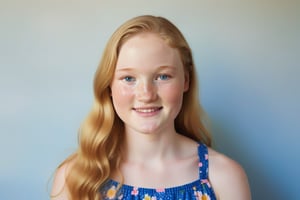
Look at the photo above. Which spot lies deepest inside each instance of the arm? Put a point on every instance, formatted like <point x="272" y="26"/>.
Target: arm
<point x="228" y="178"/>
<point x="59" y="188"/>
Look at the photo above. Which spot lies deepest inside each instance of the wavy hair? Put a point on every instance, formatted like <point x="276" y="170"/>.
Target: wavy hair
<point x="101" y="134"/>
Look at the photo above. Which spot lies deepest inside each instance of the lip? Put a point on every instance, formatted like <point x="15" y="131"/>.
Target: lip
<point x="147" y="111"/>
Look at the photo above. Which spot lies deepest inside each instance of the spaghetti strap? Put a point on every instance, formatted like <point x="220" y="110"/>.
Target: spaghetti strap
<point x="203" y="162"/>
<point x="203" y="170"/>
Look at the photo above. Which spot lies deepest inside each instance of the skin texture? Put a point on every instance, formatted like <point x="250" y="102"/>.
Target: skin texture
<point x="227" y="177"/>
<point x="148" y="84"/>
<point x="147" y="90"/>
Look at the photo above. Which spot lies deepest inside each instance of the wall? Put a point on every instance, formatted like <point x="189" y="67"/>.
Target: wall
<point x="247" y="55"/>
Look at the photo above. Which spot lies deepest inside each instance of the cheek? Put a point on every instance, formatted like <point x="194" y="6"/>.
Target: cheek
<point x="120" y="95"/>
<point x="173" y="95"/>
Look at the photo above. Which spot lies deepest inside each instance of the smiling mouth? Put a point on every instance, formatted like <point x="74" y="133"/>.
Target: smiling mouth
<point x="147" y="110"/>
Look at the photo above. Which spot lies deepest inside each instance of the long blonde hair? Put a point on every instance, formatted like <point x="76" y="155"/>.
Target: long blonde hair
<point x="101" y="134"/>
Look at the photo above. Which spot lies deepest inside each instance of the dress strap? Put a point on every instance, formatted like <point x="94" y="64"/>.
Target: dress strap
<point x="203" y="162"/>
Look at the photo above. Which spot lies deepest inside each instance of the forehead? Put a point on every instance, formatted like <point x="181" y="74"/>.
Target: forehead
<point x="147" y="50"/>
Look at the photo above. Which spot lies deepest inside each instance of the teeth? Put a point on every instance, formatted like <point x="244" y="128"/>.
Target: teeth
<point x="146" y="110"/>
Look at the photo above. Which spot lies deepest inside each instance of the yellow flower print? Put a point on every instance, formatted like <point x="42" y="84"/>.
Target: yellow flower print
<point x="147" y="197"/>
<point x="200" y="196"/>
<point x="111" y="193"/>
<point x="205" y="197"/>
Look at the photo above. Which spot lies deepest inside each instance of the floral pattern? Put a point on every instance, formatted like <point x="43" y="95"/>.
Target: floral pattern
<point x="197" y="190"/>
<point x="135" y="191"/>
<point x="111" y="193"/>
<point x="147" y="197"/>
<point x="200" y="196"/>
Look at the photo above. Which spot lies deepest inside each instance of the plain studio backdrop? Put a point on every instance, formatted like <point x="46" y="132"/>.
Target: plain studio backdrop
<point x="247" y="57"/>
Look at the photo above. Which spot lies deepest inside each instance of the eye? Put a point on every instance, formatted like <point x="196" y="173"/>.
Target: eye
<point x="129" y="79"/>
<point x="163" y="77"/>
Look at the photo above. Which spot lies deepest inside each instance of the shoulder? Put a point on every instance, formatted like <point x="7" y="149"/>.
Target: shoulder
<point x="227" y="177"/>
<point x="59" y="189"/>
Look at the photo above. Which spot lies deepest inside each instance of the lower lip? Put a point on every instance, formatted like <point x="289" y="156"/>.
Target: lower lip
<point x="148" y="114"/>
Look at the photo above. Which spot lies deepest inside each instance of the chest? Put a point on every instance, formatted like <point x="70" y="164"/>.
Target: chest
<point x="161" y="174"/>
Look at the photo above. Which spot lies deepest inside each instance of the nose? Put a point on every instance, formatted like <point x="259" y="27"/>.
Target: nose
<point x="146" y="91"/>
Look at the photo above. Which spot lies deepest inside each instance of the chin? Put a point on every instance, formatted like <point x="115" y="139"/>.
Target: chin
<point x="148" y="130"/>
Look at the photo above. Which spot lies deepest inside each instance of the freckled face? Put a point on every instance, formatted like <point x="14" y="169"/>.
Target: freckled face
<point x="148" y="84"/>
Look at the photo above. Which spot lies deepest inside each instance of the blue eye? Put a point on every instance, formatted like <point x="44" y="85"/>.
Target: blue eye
<point x="164" y="77"/>
<point x="128" y="79"/>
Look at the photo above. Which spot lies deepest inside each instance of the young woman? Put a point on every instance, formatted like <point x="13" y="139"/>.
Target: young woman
<point x="144" y="137"/>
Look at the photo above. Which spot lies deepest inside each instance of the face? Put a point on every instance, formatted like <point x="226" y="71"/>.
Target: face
<point x="148" y="84"/>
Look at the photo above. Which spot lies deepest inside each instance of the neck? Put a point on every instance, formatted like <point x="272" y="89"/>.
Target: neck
<point x="141" y="147"/>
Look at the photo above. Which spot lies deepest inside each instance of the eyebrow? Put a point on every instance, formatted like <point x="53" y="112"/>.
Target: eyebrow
<point x="159" y="68"/>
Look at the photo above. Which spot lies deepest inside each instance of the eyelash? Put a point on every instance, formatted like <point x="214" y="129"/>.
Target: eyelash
<point x="163" y="77"/>
<point x="128" y="79"/>
<point x="160" y="77"/>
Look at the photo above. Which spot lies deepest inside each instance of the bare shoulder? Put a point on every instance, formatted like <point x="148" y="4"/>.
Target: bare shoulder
<point x="227" y="177"/>
<point x="59" y="189"/>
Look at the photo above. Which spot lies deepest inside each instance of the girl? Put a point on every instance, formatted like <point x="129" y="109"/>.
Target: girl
<point x="144" y="137"/>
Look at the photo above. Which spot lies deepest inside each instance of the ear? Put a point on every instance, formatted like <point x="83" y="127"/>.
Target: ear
<point x="186" y="81"/>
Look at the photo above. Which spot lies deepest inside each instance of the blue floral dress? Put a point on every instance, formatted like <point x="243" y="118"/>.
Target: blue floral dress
<point x="197" y="190"/>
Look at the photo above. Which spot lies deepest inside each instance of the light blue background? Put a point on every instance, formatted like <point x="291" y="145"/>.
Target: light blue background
<point x="247" y="55"/>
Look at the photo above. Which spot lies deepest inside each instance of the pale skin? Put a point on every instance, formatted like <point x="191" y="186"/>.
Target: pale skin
<point x="147" y="91"/>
